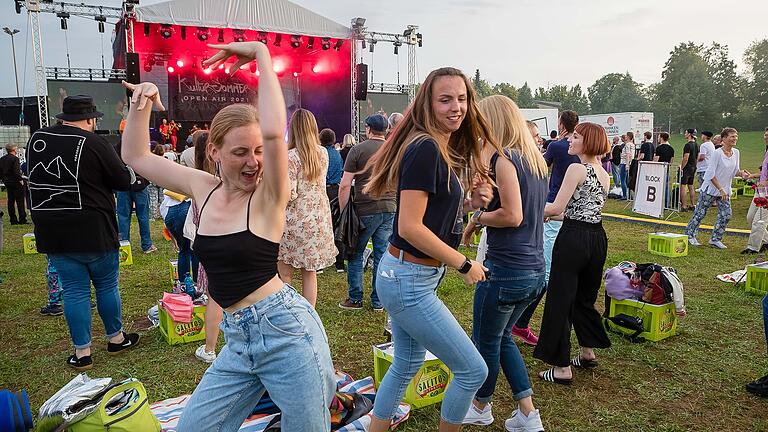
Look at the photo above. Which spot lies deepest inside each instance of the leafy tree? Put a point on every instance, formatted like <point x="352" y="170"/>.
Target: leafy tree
<point x="617" y="93"/>
<point x="525" y="97"/>
<point x="482" y="87"/>
<point x="727" y="82"/>
<point x="571" y="98"/>
<point x="756" y="58"/>
<point x="507" y="90"/>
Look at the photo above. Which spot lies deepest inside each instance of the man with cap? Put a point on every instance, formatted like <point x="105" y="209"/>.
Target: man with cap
<point x="688" y="169"/>
<point x="72" y="173"/>
<point x="377" y="214"/>
<point x="706" y="150"/>
<point x="10" y="174"/>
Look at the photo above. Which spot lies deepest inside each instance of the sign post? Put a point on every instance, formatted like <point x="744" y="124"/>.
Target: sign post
<point x="651" y="188"/>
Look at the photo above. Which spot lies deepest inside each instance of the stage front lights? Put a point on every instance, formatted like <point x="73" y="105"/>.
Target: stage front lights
<point x="325" y="44"/>
<point x="183" y="33"/>
<point x="146" y="29"/>
<point x="207" y="71"/>
<point x="397" y="44"/>
<point x="278" y="39"/>
<point x="203" y="34"/>
<point x="171" y="69"/>
<point x="147" y="67"/>
<point x="311" y="42"/>
<point x="220" y="39"/>
<point x="262" y="37"/>
<point x="339" y="43"/>
<point x="166" y="31"/>
<point x="372" y="47"/>
<point x="101" y="19"/>
<point x="64" y="16"/>
<point x="295" y="41"/>
<point x="180" y="63"/>
<point x="238" y="35"/>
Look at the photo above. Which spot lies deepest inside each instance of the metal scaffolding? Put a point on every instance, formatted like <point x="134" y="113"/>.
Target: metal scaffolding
<point x="33" y="7"/>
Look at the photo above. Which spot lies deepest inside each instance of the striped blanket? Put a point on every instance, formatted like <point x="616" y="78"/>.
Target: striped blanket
<point x="169" y="410"/>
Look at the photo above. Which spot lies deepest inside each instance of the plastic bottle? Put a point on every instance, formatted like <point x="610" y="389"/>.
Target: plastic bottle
<point x="189" y="286"/>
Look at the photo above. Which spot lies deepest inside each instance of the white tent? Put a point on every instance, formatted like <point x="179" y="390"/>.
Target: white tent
<point x="277" y="16"/>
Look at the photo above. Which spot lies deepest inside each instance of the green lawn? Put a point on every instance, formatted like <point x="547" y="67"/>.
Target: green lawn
<point x="691" y="382"/>
<point x="750" y="145"/>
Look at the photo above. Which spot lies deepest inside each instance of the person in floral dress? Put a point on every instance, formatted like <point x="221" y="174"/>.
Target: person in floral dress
<point x="307" y="242"/>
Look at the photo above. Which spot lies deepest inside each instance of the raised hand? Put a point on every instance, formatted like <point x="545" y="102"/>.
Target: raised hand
<point x="244" y="51"/>
<point x="144" y="92"/>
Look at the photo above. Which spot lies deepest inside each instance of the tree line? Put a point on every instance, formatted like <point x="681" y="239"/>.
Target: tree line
<point x="700" y="87"/>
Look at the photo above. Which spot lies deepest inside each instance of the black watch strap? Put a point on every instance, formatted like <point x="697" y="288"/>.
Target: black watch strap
<point x="466" y="267"/>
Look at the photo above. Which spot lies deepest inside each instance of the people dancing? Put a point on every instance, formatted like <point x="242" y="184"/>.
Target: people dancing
<point x="275" y="340"/>
<point x="578" y="258"/>
<point x="427" y="161"/>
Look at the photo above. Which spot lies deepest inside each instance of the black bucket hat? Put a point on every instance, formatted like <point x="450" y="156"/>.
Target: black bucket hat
<point x="79" y="107"/>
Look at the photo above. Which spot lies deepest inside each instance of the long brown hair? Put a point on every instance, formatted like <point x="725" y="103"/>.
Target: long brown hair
<point x="463" y="153"/>
<point x="304" y="137"/>
<point x="202" y="161"/>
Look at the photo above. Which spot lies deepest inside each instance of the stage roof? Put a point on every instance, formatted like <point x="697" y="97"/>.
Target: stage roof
<point x="278" y="16"/>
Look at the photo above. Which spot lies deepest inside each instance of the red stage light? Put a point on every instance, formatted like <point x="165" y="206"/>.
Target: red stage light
<point x="258" y="73"/>
<point x="295" y="74"/>
<point x="171" y="69"/>
<point x="180" y="63"/>
<point x="244" y="67"/>
<point x="221" y="66"/>
<point x="317" y="68"/>
<point x="278" y="66"/>
<point x="226" y="71"/>
<point x="207" y="71"/>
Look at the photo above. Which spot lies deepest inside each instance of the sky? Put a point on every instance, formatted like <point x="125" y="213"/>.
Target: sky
<point x="543" y="42"/>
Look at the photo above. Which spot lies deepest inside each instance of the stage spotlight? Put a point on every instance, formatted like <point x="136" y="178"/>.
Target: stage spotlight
<point x="183" y="33"/>
<point x="17" y="5"/>
<point x="221" y="66"/>
<point x="238" y="35"/>
<point x="363" y="42"/>
<point x="262" y="37"/>
<point x="325" y="44"/>
<point x="63" y="16"/>
<point x="358" y="22"/>
<point x="180" y="63"/>
<point x="146" y="29"/>
<point x="295" y="74"/>
<point x="171" y="69"/>
<point x="244" y="67"/>
<point x="101" y="19"/>
<point x="419" y="39"/>
<point x="207" y="71"/>
<point x="311" y="42"/>
<point x="151" y="60"/>
<point x="278" y="39"/>
<point x="295" y="41"/>
<point x="397" y="45"/>
<point x="317" y="69"/>
<point x="220" y="39"/>
<point x="339" y="43"/>
<point x="166" y="31"/>
<point x="258" y="73"/>
<point x="278" y="66"/>
<point x="147" y="67"/>
<point x="226" y="71"/>
<point x="372" y="46"/>
<point x="203" y="34"/>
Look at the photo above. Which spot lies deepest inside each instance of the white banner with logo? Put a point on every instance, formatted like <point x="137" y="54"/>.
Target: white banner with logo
<point x="650" y="188"/>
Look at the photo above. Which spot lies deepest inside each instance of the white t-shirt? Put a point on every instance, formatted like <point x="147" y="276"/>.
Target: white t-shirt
<point x="723" y="168"/>
<point x="188" y="157"/>
<point x="170" y="156"/>
<point x="707" y="149"/>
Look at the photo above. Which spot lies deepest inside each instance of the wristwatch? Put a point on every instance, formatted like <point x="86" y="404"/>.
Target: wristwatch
<point x="466" y="267"/>
<point x="476" y="216"/>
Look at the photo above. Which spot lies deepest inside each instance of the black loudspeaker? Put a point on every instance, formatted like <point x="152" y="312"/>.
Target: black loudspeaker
<point x="132" y="74"/>
<point x="361" y="76"/>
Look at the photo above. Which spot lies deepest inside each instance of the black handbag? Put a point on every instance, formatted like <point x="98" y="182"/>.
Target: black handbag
<point x="350" y="226"/>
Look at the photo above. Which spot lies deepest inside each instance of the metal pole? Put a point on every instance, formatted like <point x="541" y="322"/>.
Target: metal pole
<point x="13" y="48"/>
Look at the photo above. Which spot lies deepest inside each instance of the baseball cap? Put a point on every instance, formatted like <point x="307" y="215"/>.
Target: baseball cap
<point x="691" y="131"/>
<point x="707" y="134"/>
<point x="377" y="123"/>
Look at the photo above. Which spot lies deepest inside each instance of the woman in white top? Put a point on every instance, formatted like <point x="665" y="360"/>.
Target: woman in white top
<point x="627" y="155"/>
<point x="723" y="166"/>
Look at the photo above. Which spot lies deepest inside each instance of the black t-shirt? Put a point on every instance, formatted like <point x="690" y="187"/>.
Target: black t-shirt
<point x="72" y="174"/>
<point x="616" y="154"/>
<point x="647" y="149"/>
<point x="665" y="152"/>
<point x="693" y="155"/>
<point x="422" y="168"/>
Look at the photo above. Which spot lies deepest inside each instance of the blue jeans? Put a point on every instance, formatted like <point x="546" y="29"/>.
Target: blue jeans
<point x="624" y="173"/>
<point x="378" y="227"/>
<point x="499" y="302"/>
<point x="420" y="322"/>
<point x="765" y="318"/>
<point x="125" y="201"/>
<point x="174" y="221"/>
<point x="616" y="172"/>
<point x="76" y="272"/>
<point x="277" y="345"/>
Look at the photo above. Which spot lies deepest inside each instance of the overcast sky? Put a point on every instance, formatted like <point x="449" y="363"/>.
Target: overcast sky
<point x="544" y="42"/>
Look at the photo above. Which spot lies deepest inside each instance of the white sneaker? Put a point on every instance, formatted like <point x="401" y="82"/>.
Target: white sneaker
<point x="205" y="356"/>
<point x="718" y="244"/>
<point x="693" y="242"/>
<point x="520" y="423"/>
<point x="477" y="417"/>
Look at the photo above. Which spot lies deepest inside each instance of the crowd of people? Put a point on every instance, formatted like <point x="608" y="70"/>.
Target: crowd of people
<point x="247" y="211"/>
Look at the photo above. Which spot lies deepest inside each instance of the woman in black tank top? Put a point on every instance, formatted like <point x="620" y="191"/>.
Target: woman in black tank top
<point x="275" y="340"/>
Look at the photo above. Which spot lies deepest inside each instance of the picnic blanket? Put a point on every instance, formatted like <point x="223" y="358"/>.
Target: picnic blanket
<point x="168" y="411"/>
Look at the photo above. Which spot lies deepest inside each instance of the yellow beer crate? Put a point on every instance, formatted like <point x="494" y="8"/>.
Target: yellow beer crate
<point x="757" y="279"/>
<point x="428" y="385"/>
<point x="30" y="244"/>
<point x="668" y="244"/>
<point x="659" y="321"/>
<point x="126" y="256"/>
<point x="176" y="332"/>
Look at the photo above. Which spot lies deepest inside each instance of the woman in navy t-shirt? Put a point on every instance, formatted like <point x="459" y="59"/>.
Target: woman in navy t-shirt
<point x="424" y="159"/>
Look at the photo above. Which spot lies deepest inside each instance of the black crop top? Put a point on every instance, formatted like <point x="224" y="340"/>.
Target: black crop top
<point x="237" y="263"/>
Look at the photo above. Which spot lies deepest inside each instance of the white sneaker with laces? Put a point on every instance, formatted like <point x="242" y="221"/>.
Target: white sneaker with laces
<point x="520" y="423"/>
<point x="718" y="244"/>
<point x="205" y="356"/>
<point x="476" y="417"/>
<point x="693" y="242"/>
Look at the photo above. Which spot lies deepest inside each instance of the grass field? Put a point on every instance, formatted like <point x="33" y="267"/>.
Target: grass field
<point x="691" y="382"/>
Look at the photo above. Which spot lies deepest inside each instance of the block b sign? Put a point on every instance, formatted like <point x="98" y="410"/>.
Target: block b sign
<point x="651" y="188"/>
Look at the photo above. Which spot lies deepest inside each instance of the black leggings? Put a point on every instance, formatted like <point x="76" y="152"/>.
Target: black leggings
<point x="578" y="258"/>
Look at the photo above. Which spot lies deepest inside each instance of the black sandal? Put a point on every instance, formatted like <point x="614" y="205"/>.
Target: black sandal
<point x="549" y="376"/>
<point x="583" y="363"/>
<point x="80" y="364"/>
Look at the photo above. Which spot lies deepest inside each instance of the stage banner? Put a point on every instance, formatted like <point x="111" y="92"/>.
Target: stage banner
<point x="198" y="98"/>
<point x="650" y="190"/>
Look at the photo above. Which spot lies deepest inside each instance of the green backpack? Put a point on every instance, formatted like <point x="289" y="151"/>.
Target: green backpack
<point x="133" y="414"/>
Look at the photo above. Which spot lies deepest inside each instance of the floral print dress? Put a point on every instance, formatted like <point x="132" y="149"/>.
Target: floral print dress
<point x="307" y="242"/>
